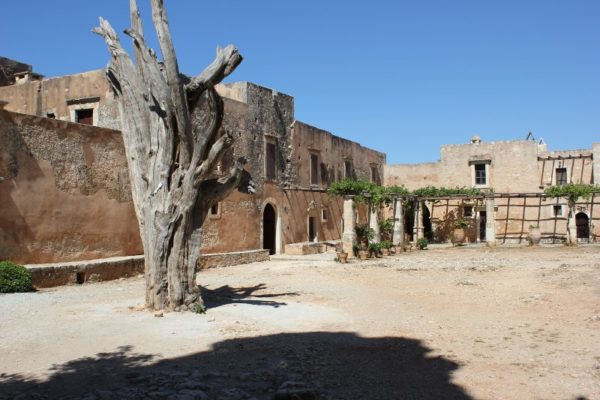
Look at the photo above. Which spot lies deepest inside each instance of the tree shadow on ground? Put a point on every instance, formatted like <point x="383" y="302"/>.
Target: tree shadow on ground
<point x="315" y="365"/>
<point x="226" y="295"/>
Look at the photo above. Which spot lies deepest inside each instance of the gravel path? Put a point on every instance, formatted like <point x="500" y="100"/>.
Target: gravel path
<point x="463" y="323"/>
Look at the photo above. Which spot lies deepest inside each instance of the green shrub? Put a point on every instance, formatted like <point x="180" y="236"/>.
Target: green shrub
<point x="14" y="278"/>
<point x="386" y="244"/>
<point x="422" y="244"/>
<point x="375" y="247"/>
<point x="199" y="308"/>
<point x="460" y="224"/>
<point x="363" y="232"/>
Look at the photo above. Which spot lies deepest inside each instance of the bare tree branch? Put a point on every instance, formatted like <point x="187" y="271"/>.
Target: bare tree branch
<point x="215" y="190"/>
<point x="178" y="96"/>
<point x="226" y="61"/>
<point x="215" y="153"/>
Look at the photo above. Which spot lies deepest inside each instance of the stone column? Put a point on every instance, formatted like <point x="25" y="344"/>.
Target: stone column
<point x="349" y="235"/>
<point x="571" y="225"/>
<point x="418" y="225"/>
<point x="374" y="223"/>
<point x="490" y="222"/>
<point x="398" y="235"/>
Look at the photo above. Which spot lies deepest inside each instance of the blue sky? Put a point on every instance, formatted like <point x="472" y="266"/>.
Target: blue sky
<point x="400" y="77"/>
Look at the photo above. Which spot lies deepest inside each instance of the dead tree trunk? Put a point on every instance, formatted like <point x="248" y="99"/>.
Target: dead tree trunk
<point x="172" y="141"/>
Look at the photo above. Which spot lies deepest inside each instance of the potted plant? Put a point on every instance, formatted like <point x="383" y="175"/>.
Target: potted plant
<point x="375" y="249"/>
<point x="386" y="228"/>
<point x="363" y="235"/>
<point x="422" y="243"/>
<point x="534" y="235"/>
<point x="386" y="245"/>
<point x="341" y="254"/>
<point x="459" y="235"/>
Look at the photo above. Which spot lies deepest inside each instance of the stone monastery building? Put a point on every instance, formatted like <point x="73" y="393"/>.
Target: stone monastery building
<point x="65" y="195"/>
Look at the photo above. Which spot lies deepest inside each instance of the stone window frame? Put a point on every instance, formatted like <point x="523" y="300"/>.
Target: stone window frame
<point x="349" y="160"/>
<point x="375" y="166"/>
<point x="92" y="103"/>
<point x="317" y="154"/>
<point x="270" y="139"/>
<point x="487" y="164"/>
<point x="471" y="208"/>
<point x="556" y="207"/>
<point x="324" y="215"/>
<point x="216" y="215"/>
<point x="555" y="179"/>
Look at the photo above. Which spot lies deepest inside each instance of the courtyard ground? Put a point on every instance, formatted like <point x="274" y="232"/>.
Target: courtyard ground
<point x="445" y="323"/>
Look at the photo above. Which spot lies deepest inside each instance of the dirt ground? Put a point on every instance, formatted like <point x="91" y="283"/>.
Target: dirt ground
<point x="446" y="323"/>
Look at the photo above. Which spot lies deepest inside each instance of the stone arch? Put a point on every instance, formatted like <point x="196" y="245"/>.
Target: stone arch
<point x="582" y="222"/>
<point x="270" y="232"/>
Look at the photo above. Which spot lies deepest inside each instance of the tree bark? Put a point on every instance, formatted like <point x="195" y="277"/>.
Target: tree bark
<point x="173" y="141"/>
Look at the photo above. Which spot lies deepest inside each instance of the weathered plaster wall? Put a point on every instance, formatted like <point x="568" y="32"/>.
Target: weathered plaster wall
<point x="513" y="165"/>
<point x="65" y="192"/>
<point x="413" y="176"/>
<point x="579" y="165"/>
<point x="61" y="95"/>
<point x="332" y="151"/>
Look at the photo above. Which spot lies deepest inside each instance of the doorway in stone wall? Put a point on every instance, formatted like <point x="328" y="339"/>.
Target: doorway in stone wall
<point x="269" y="228"/>
<point x="582" y="221"/>
<point x="312" y="229"/>
<point x="482" y="223"/>
<point x="427" y="227"/>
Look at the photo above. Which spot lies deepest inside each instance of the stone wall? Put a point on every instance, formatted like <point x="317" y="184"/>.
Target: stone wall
<point x="413" y="176"/>
<point x="61" y="96"/>
<point x="331" y="152"/>
<point x="216" y="260"/>
<point x="64" y="192"/>
<point x="579" y="165"/>
<point x="84" y="209"/>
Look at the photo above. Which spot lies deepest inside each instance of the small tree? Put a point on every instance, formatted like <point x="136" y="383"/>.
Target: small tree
<point x="572" y="192"/>
<point x="171" y="131"/>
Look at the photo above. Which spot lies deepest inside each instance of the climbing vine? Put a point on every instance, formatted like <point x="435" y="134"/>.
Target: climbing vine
<point x="380" y="195"/>
<point x="572" y="191"/>
<point x="432" y="191"/>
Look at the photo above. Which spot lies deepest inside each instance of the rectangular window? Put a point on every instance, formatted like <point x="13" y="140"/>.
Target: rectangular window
<point x="314" y="169"/>
<point x="375" y="174"/>
<point x="348" y="170"/>
<point x="561" y="176"/>
<point x="557" y="209"/>
<point x="214" y="210"/>
<point x="324" y="215"/>
<point x="480" y="174"/>
<point x="85" y="116"/>
<point x="271" y="161"/>
<point x="468" y="211"/>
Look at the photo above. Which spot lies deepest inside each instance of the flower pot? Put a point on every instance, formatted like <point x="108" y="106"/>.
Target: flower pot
<point x="385" y="252"/>
<point x="458" y="236"/>
<point x="535" y="235"/>
<point x="363" y="254"/>
<point x="343" y="257"/>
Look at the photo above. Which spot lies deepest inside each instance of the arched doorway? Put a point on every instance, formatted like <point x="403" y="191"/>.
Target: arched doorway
<point x="582" y="221"/>
<point x="269" y="228"/>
